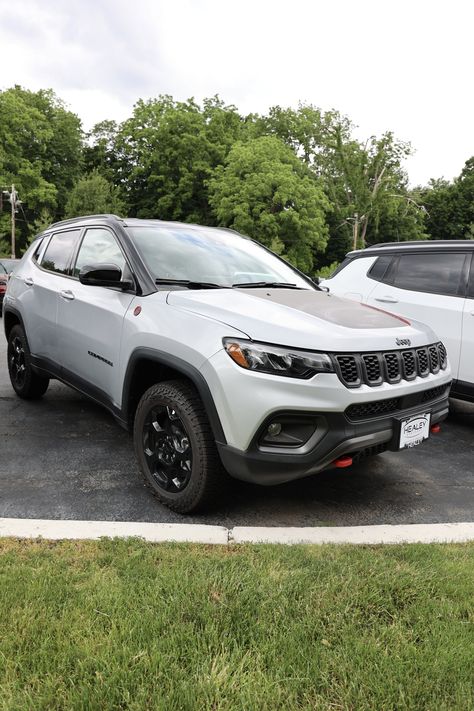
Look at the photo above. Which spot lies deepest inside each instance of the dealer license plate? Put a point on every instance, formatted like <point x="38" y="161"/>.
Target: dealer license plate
<point x="414" y="430"/>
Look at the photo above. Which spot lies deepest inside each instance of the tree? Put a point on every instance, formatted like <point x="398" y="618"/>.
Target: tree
<point x="364" y="182"/>
<point x="100" y="151"/>
<point x="93" y="194"/>
<point x="168" y="150"/>
<point x="266" y="192"/>
<point x="40" y="152"/>
<point x="450" y="206"/>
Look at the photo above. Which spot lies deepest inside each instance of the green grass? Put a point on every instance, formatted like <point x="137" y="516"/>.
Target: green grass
<point x="130" y="625"/>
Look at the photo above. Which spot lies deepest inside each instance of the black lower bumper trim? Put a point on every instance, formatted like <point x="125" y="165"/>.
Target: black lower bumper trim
<point x="341" y="438"/>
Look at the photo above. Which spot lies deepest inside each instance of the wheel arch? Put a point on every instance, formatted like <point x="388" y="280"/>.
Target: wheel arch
<point x="11" y="317"/>
<point x="147" y="366"/>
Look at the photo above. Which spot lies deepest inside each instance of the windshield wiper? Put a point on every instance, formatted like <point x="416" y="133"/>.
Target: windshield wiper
<point x="190" y="284"/>
<point x="266" y="285"/>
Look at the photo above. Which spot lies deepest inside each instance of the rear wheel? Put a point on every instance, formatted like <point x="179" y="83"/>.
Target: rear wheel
<point x="26" y="383"/>
<point x="175" y="447"/>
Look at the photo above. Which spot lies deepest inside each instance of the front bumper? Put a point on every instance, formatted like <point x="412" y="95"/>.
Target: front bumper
<point x="339" y="437"/>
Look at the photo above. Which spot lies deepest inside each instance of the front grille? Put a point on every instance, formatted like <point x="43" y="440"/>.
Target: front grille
<point x="391" y="406"/>
<point x="389" y="366"/>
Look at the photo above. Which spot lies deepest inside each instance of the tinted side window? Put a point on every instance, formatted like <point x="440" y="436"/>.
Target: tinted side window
<point x="470" y="290"/>
<point x="59" y="251"/>
<point x="435" y="273"/>
<point x="99" y="246"/>
<point x="380" y="267"/>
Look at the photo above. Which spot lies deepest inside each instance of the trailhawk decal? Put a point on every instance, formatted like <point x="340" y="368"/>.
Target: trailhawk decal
<point x="104" y="360"/>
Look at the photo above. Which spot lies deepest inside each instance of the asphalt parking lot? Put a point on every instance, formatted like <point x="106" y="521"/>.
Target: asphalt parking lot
<point x="63" y="457"/>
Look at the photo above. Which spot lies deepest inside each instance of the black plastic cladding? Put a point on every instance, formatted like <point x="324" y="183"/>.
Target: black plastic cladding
<point x="389" y="366"/>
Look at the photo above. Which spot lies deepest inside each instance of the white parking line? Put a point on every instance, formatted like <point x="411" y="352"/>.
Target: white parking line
<point x="201" y="533"/>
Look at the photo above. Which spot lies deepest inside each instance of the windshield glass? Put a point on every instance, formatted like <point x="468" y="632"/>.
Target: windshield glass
<point x="216" y="256"/>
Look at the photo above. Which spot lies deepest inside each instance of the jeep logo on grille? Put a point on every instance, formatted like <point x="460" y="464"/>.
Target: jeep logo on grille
<point x="403" y="342"/>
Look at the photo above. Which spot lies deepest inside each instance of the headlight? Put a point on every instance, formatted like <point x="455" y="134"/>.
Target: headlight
<point x="265" y="358"/>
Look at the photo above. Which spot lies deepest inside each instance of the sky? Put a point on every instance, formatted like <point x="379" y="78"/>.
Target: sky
<point x="400" y="66"/>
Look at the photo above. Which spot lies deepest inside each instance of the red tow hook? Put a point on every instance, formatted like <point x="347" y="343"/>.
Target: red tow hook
<point x="435" y="429"/>
<point x="342" y="462"/>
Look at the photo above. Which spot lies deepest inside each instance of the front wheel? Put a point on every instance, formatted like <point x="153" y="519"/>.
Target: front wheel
<point x="175" y="447"/>
<point x="26" y="383"/>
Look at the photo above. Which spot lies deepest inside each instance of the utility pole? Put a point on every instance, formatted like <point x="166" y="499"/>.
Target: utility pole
<point x="15" y="202"/>
<point x="355" y="230"/>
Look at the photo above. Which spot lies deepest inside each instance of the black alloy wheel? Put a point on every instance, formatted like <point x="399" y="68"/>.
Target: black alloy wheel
<point x="27" y="383"/>
<point x="167" y="449"/>
<point x="16" y="363"/>
<point x="175" y="447"/>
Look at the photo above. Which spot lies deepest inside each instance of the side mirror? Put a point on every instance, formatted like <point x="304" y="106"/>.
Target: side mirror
<point x="103" y="275"/>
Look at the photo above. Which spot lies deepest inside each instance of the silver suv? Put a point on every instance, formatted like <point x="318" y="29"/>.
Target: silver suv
<point x="219" y="354"/>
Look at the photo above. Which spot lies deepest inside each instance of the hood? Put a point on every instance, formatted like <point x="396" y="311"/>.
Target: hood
<point x="308" y="319"/>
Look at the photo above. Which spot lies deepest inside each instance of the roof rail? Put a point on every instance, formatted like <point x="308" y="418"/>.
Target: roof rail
<point x="419" y="241"/>
<point x="71" y="220"/>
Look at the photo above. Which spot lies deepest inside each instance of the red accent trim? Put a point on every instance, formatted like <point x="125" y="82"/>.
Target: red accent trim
<point x="435" y="429"/>
<point x="389" y="313"/>
<point x="342" y="462"/>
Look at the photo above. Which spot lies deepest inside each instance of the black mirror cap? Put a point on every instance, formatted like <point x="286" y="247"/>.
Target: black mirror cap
<point x="103" y="275"/>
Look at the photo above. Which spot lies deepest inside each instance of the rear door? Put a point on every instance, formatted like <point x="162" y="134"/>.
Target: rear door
<point x="90" y="319"/>
<point x="43" y="278"/>
<point x="466" y="365"/>
<point x="428" y="287"/>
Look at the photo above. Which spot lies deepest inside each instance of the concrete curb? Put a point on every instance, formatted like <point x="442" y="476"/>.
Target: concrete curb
<point x="155" y="532"/>
<point x="220" y="535"/>
<point x="362" y="535"/>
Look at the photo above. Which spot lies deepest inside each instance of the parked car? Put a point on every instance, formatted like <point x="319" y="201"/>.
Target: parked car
<point x="7" y="266"/>
<point x="217" y="353"/>
<point x="429" y="281"/>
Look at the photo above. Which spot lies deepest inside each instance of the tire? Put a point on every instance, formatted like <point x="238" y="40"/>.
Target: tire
<point x="27" y="384"/>
<point x="175" y="447"/>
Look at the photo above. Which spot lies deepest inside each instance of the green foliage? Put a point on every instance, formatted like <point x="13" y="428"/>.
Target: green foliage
<point x="40" y="152"/>
<point x="168" y="150"/>
<point x="450" y="206"/>
<point x="266" y="192"/>
<point x="295" y="179"/>
<point x="91" y="195"/>
<point x="327" y="271"/>
<point x="365" y="182"/>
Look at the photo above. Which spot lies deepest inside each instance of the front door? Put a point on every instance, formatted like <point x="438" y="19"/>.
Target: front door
<point x="90" y="320"/>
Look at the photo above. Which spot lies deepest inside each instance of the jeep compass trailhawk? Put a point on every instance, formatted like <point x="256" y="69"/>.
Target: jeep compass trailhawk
<point x="219" y="354"/>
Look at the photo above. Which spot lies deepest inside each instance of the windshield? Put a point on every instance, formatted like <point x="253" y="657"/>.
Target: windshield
<point x="213" y="256"/>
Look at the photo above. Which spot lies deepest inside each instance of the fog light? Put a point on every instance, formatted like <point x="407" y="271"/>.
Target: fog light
<point x="274" y="429"/>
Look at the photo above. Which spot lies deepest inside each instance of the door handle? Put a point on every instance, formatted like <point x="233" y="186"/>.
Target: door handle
<point x="68" y="295"/>
<point x="387" y="300"/>
<point x="28" y="281"/>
